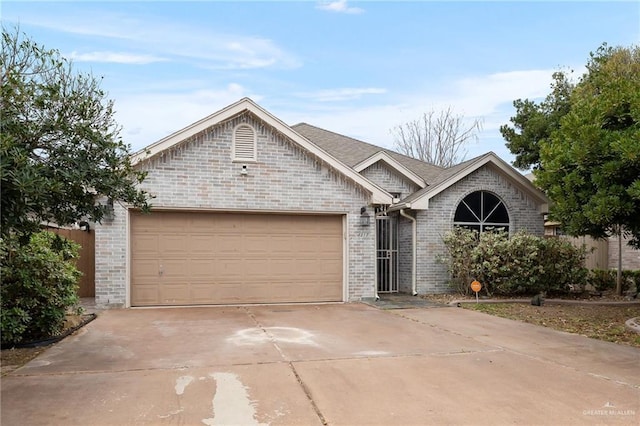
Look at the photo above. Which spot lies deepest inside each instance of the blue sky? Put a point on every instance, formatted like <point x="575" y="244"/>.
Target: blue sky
<point x="358" y="68"/>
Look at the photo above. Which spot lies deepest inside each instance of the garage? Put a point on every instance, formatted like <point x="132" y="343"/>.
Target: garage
<point x="202" y="258"/>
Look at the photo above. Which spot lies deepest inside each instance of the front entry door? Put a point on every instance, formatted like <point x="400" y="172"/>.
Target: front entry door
<point x="387" y="254"/>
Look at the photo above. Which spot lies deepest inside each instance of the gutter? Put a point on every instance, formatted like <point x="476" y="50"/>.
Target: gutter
<point x="399" y="206"/>
<point x="414" y="291"/>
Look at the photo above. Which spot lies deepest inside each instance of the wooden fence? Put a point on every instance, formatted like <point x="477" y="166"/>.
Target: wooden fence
<point x="597" y="251"/>
<point x="86" y="262"/>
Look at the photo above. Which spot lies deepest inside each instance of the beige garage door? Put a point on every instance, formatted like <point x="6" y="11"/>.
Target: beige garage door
<point x="180" y="258"/>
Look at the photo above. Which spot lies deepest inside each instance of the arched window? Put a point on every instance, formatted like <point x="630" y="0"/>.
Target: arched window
<point x="482" y="211"/>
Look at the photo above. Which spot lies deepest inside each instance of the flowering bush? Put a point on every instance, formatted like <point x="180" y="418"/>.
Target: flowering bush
<point x="522" y="264"/>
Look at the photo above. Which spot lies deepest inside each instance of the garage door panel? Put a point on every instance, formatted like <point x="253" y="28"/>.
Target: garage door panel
<point x="282" y="246"/>
<point x="173" y="244"/>
<point x="257" y="245"/>
<point x="171" y="269"/>
<point x="145" y="246"/>
<point x="329" y="245"/>
<point x="203" y="293"/>
<point x="255" y="269"/>
<point x="145" y="294"/>
<point x="175" y="294"/>
<point x="229" y="269"/>
<point x="202" y="269"/>
<point x="201" y="245"/>
<point x="233" y="258"/>
<point x="145" y="269"/>
<point x="227" y="244"/>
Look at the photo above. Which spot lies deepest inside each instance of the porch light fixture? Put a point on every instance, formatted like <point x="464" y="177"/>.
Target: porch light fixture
<point x="109" y="213"/>
<point x="364" y="217"/>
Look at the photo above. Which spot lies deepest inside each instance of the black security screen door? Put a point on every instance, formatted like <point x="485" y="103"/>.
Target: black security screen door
<point x="387" y="254"/>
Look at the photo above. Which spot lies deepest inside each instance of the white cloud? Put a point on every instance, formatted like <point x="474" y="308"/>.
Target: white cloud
<point x="334" y="95"/>
<point x="489" y="91"/>
<point x="162" y="38"/>
<point x="339" y="6"/>
<point x="488" y="97"/>
<point x="148" y="117"/>
<point x="115" y="57"/>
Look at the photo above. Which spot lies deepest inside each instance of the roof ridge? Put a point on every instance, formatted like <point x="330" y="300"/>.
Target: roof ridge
<point x="339" y="134"/>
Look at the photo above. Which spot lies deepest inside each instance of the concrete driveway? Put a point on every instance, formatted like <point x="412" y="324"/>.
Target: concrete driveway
<point x="337" y="364"/>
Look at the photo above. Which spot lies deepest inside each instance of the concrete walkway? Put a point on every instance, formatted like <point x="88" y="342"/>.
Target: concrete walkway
<point x="337" y="364"/>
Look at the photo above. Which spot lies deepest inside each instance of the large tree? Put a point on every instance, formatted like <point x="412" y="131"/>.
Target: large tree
<point x="534" y="122"/>
<point x="438" y="138"/>
<point x="591" y="162"/>
<point x="60" y="148"/>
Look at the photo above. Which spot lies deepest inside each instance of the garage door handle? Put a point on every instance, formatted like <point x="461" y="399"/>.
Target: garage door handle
<point x="161" y="271"/>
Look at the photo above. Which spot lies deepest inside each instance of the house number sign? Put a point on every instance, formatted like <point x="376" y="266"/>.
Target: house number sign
<point x="476" y="287"/>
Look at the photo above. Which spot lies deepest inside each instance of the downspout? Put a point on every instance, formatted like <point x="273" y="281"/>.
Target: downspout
<point x="414" y="250"/>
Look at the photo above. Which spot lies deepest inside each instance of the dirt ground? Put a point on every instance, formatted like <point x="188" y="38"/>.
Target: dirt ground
<point x="591" y="318"/>
<point x="595" y="321"/>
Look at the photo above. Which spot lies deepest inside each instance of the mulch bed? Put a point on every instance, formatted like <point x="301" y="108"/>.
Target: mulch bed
<point x="13" y="356"/>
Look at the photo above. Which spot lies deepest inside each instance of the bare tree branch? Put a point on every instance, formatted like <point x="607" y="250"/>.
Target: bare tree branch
<point x="438" y="138"/>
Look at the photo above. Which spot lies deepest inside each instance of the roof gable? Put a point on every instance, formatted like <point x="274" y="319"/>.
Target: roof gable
<point x="394" y="164"/>
<point x="379" y="195"/>
<point x="420" y="199"/>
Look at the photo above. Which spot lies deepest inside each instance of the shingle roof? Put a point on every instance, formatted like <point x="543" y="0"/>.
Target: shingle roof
<point x="353" y="151"/>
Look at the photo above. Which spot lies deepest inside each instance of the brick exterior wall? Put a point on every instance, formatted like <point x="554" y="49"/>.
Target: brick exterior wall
<point x="433" y="224"/>
<point x="405" y="253"/>
<point x="199" y="174"/>
<point x="387" y="178"/>
<point x="630" y="256"/>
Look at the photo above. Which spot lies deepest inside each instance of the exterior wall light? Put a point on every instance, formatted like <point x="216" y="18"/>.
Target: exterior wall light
<point x="109" y="213"/>
<point x="365" y="219"/>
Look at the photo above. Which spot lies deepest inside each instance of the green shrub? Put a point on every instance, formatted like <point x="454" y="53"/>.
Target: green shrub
<point x="634" y="278"/>
<point x="462" y="267"/>
<point x="606" y="279"/>
<point x="38" y="287"/>
<point x="561" y="266"/>
<point x="522" y="264"/>
<point x="602" y="279"/>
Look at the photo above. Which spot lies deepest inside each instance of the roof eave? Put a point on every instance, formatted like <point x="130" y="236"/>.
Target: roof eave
<point x="422" y="202"/>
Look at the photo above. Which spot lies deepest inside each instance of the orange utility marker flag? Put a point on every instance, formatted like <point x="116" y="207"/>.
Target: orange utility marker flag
<point x="476" y="286"/>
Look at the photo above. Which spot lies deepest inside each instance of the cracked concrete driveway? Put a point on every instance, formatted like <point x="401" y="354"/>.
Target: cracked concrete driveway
<point x="337" y="364"/>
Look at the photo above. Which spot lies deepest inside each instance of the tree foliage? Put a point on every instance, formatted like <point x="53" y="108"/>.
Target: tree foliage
<point x="59" y="143"/>
<point x="438" y="138"/>
<point x="591" y="162"/>
<point x="534" y="122"/>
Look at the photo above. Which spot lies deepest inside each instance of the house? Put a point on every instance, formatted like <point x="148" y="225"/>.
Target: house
<point x="250" y="210"/>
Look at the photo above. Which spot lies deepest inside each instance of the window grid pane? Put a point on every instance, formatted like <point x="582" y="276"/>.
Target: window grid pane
<point x="482" y="211"/>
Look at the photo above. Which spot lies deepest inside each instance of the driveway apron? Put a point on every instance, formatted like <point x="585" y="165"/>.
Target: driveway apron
<point x="339" y="364"/>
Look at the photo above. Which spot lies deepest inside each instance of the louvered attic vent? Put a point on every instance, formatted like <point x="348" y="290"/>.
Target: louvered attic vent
<point x="244" y="143"/>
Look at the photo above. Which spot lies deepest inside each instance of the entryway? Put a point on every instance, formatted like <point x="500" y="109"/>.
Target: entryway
<point x="387" y="253"/>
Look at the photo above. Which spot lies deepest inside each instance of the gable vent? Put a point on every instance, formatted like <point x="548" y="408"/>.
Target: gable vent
<point x="244" y="143"/>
